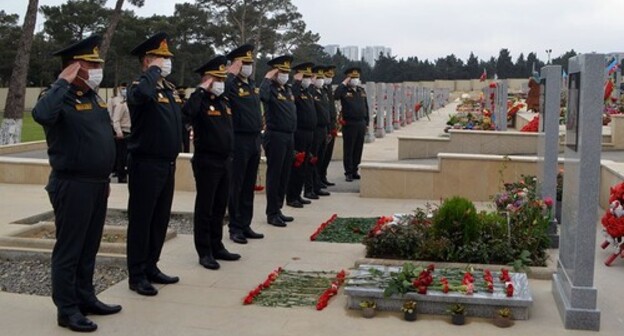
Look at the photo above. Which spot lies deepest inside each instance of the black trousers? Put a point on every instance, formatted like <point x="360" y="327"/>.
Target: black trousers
<point x="150" y="186"/>
<point x="303" y="143"/>
<point x="279" y="147"/>
<point x="353" y="134"/>
<point x="245" y="163"/>
<point x="80" y="210"/>
<point x="121" y="158"/>
<point x="313" y="179"/>
<point x="326" y="159"/>
<point x="186" y="139"/>
<point x="212" y="182"/>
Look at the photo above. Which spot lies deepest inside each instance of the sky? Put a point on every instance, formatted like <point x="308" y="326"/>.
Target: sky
<point x="430" y="29"/>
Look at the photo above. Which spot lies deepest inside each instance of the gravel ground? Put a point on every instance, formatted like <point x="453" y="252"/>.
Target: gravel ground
<point x="33" y="276"/>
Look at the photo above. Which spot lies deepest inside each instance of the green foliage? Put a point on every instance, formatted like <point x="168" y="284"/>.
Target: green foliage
<point x="457" y="309"/>
<point x="9" y="36"/>
<point x="368" y="304"/>
<point x="457" y="220"/>
<point x="347" y="230"/>
<point x="401" y="283"/>
<point x="523" y="262"/>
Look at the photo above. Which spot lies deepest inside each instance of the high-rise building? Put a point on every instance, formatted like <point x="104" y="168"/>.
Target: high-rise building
<point x="331" y="49"/>
<point x="371" y="54"/>
<point x="351" y="52"/>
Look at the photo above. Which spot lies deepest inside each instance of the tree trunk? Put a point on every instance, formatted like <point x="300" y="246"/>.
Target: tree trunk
<point x="112" y="25"/>
<point x="11" y="129"/>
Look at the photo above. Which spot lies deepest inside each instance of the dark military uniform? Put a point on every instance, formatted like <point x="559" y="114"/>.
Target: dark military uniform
<point x="304" y="136"/>
<point x="333" y="128"/>
<point x="81" y="151"/>
<point x="247" y="120"/>
<point x="186" y="128"/>
<point x="314" y="182"/>
<point x="211" y="118"/>
<point x="154" y="143"/>
<point x="355" y="116"/>
<point x="281" y="123"/>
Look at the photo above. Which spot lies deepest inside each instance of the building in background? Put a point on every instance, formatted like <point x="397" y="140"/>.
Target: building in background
<point x="331" y="49"/>
<point x="371" y="54"/>
<point x="351" y="52"/>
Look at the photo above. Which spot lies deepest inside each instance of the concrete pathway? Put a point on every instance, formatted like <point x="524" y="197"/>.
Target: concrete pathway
<point x="210" y="302"/>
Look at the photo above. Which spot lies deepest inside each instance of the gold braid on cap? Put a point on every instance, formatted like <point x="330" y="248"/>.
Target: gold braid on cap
<point x="94" y="56"/>
<point x="162" y="50"/>
<point x="217" y="73"/>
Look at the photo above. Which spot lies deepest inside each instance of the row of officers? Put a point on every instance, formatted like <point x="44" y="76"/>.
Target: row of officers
<point x="225" y="113"/>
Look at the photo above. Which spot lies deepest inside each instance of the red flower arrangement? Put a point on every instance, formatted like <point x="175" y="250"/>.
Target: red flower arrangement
<point x="265" y="284"/>
<point x="379" y="225"/>
<point x="504" y="277"/>
<point x="323" y="300"/>
<point x="417" y="107"/>
<point x="342" y="122"/>
<point x="493" y="85"/>
<point x="313" y="160"/>
<point x="509" y="289"/>
<point x="323" y="226"/>
<point x="258" y="187"/>
<point x="532" y="126"/>
<point x="299" y="159"/>
<point x="334" y="133"/>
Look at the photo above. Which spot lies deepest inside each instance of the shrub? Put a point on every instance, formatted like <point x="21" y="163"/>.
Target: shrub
<point x="457" y="220"/>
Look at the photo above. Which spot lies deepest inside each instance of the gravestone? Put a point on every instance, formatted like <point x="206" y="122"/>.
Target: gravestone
<point x="370" y="100"/>
<point x="548" y="141"/>
<point x="501" y="105"/>
<point x="398" y="106"/>
<point x="573" y="282"/>
<point x="380" y="132"/>
<point x="390" y="92"/>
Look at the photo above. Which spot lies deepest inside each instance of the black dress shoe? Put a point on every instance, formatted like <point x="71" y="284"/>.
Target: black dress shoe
<point x="286" y="218"/>
<point x="356" y="176"/>
<point x="294" y="204"/>
<point x="276" y="221"/>
<point x="143" y="287"/>
<point x="209" y="262"/>
<point x="323" y="185"/>
<point x="349" y="178"/>
<point x="304" y="201"/>
<point x="238" y="238"/>
<point x="311" y="196"/>
<point x="76" y="322"/>
<point x="250" y="234"/>
<point x="322" y="193"/>
<point x="99" y="308"/>
<point x="162" y="278"/>
<point x="327" y="183"/>
<point x="224" y="254"/>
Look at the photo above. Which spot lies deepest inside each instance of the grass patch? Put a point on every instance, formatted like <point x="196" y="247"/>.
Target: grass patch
<point x="31" y="131"/>
<point x="351" y="230"/>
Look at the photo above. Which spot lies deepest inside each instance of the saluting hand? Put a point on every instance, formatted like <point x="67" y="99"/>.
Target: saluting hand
<point x="235" y="67"/>
<point x="346" y="80"/>
<point x="70" y="73"/>
<point x="271" y="74"/>
<point x="298" y="76"/>
<point x="206" y="84"/>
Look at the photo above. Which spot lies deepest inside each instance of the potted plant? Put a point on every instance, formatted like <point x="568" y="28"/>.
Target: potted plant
<point x="458" y="314"/>
<point x="368" y="308"/>
<point x="409" y="310"/>
<point x="502" y="318"/>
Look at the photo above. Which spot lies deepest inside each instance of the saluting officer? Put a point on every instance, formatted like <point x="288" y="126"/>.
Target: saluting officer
<point x="209" y="113"/>
<point x="321" y="104"/>
<point x="154" y="143"/>
<point x="82" y="154"/>
<point x="244" y="99"/>
<point x="281" y="123"/>
<point x="354" y="119"/>
<point x="304" y="136"/>
<point x="333" y="125"/>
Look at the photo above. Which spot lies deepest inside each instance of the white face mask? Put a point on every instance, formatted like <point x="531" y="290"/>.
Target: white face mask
<point x="328" y="81"/>
<point x="246" y="70"/>
<point x="95" y="78"/>
<point x="217" y="88"/>
<point x="282" y="78"/>
<point x="354" y="82"/>
<point x="123" y="92"/>
<point x="166" y="68"/>
<point x="319" y="83"/>
<point x="306" y="82"/>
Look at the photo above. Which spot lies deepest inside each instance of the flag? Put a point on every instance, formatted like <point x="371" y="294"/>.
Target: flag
<point x="483" y="76"/>
<point x="608" y="89"/>
<point x="612" y="66"/>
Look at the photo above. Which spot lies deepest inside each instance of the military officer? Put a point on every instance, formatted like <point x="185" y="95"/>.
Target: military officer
<point x="281" y="123"/>
<point x="354" y="119"/>
<point x="333" y="126"/>
<point x="154" y="143"/>
<point x="242" y="94"/>
<point x="304" y="136"/>
<point x="321" y="105"/>
<point x="82" y="154"/>
<point x="209" y="113"/>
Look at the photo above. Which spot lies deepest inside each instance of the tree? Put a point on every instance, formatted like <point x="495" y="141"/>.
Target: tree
<point x="9" y="37"/>
<point x="533" y="64"/>
<point x="74" y="20"/>
<point x="112" y="25"/>
<point x="472" y="67"/>
<point x="11" y="129"/>
<point x="520" y="68"/>
<point x="563" y="59"/>
<point x="504" y="65"/>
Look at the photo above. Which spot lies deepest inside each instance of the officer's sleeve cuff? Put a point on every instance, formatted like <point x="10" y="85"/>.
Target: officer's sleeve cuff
<point x="62" y="83"/>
